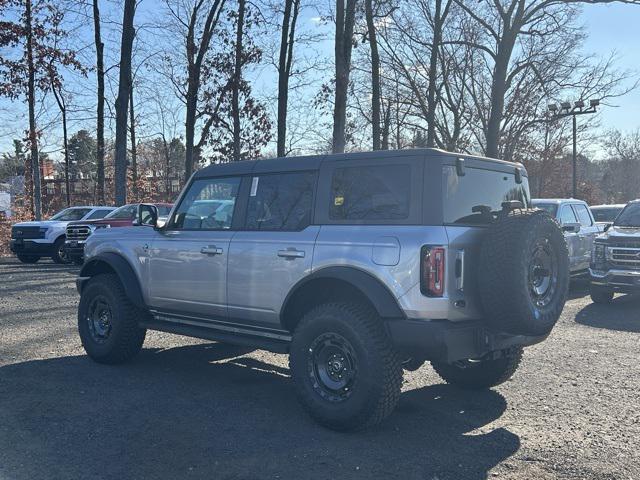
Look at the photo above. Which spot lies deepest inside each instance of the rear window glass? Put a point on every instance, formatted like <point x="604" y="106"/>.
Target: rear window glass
<point x="551" y="208"/>
<point x="479" y="188"/>
<point x="370" y="193"/>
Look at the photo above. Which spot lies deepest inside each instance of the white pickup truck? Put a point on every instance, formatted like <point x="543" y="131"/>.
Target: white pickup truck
<point x="32" y="240"/>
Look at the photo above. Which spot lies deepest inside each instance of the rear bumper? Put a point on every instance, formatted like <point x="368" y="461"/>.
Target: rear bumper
<point x="626" y="281"/>
<point x="30" y="247"/>
<point x="447" y="341"/>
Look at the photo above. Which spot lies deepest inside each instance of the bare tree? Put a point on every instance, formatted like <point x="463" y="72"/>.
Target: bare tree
<point x="100" y="105"/>
<point x="237" y="76"/>
<point x="287" y="40"/>
<point x="375" y="74"/>
<point x="345" y="20"/>
<point x="122" y="102"/>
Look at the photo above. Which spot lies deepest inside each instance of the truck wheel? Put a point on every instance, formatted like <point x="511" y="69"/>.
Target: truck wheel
<point x="480" y="374"/>
<point x="523" y="274"/>
<point x="346" y="372"/>
<point x="108" y="321"/>
<point x="601" y="295"/>
<point x="59" y="253"/>
<point x="28" y="258"/>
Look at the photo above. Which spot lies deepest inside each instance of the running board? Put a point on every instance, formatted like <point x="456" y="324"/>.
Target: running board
<point x="248" y="339"/>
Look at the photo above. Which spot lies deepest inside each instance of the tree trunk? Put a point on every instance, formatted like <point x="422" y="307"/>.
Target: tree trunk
<point x="433" y="75"/>
<point x="375" y="75"/>
<point x="190" y="125"/>
<point x="33" y="136"/>
<point x="134" y="151"/>
<point x="65" y="137"/>
<point x="287" y="39"/>
<point x="122" y="102"/>
<point x="343" y="44"/>
<point x="237" y="75"/>
<point x="100" y="108"/>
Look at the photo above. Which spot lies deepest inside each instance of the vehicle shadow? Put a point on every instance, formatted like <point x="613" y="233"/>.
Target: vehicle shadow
<point x="208" y="411"/>
<point x="578" y="288"/>
<point x="621" y="314"/>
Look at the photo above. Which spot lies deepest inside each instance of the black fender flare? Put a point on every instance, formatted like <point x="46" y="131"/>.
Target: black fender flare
<point x="372" y="288"/>
<point x="105" y="262"/>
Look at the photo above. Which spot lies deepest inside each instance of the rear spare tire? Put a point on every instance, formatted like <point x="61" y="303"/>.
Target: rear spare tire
<point x="523" y="275"/>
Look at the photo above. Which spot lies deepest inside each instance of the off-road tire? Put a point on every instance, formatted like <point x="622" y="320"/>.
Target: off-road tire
<point x="58" y="256"/>
<point x="126" y="337"/>
<point x="504" y="275"/>
<point x="601" y="295"/>
<point x="28" y="258"/>
<point x="378" y="379"/>
<point x="482" y="374"/>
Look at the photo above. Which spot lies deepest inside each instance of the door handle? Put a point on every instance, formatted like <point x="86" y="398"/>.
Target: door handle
<point x="291" y="253"/>
<point x="211" y="250"/>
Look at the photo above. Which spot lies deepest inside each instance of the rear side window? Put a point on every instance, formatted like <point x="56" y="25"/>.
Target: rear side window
<point x="281" y="202"/>
<point x="464" y="197"/>
<point x="370" y="193"/>
<point x="583" y="215"/>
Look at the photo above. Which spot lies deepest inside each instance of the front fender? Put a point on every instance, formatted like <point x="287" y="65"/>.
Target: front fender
<point x="113" y="263"/>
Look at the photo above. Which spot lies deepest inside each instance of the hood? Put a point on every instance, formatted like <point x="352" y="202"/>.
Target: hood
<point x="622" y="233"/>
<point x="41" y="223"/>
<point x="113" y="222"/>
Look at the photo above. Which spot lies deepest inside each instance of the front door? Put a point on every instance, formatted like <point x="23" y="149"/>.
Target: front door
<point x="188" y="260"/>
<point x="587" y="234"/>
<point x="574" y="243"/>
<point x="274" y="250"/>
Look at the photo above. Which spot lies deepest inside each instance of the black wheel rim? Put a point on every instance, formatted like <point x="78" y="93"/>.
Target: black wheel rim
<point x="332" y="367"/>
<point x="543" y="277"/>
<point x="62" y="254"/>
<point x="99" y="319"/>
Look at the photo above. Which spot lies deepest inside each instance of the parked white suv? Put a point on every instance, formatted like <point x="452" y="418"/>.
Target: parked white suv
<point x="32" y="240"/>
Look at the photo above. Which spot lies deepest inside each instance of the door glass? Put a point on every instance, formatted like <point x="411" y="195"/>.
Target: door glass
<point x="281" y="202"/>
<point x="370" y="193"/>
<point x="208" y="205"/>
<point x="567" y="215"/>
<point x="583" y="215"/>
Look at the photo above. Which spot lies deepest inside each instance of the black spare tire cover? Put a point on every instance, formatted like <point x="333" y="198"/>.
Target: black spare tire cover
<point x="523" y="273"/>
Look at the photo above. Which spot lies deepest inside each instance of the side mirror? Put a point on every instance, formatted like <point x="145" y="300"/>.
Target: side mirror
<point x="147" y="215"/>
<point x="571" y="227"/>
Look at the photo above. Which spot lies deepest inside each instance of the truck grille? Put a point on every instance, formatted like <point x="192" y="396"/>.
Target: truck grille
<point x="27" y="232"/>
<point x="625" y="255"/>
<point x="78" y="232"/>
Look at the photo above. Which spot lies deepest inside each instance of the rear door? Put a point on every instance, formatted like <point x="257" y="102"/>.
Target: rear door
<point x="274" y="250"/>
<point x="566" y="215"/>
<point x="188" y="259"/>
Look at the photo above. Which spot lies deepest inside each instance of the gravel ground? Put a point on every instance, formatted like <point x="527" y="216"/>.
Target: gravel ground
<point x="191" y="409"/>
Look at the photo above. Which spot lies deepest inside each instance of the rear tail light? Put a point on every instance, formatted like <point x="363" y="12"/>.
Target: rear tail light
<point x="432" y="271"/>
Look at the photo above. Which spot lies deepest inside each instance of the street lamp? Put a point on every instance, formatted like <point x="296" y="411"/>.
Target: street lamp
<point x="566" y="109"/>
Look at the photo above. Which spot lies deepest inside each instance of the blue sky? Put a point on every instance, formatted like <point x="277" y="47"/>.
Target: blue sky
<point x="616" y="27"/>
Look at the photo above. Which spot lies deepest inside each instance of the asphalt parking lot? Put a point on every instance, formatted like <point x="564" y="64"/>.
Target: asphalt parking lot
<point x="191" y="409"/>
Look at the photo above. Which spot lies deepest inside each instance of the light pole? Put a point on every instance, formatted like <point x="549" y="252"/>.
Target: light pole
<point x="565" y="109"/>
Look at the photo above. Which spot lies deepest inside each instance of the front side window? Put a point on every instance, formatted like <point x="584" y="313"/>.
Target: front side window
<point x="125" y="212"/>
<point x="209" y="204"/>
<point x="70" y="214"/>
<point x="281" y="202"/>
<point x="583" y="215"/>
<point x="567" y="215"/>
<point x="370" y="193"/>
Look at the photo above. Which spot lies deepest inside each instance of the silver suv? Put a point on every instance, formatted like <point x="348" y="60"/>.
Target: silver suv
<point x="356" y="265"/>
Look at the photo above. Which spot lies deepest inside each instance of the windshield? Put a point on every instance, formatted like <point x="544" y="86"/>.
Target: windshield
<point x="605" y="214"/>
<point x="126" y="212"/>
<point x="629" y="217"/>
<point x="552" y="208"/>
<point x="69" y="214"/>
